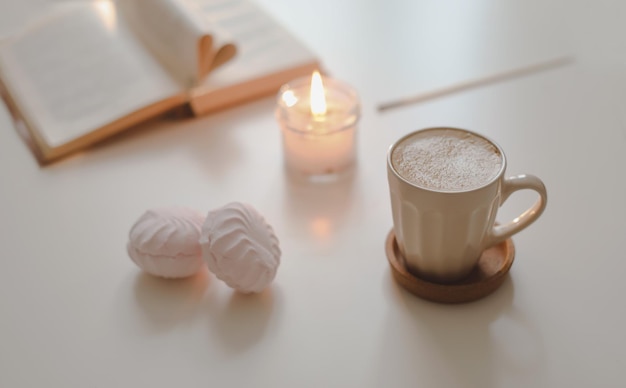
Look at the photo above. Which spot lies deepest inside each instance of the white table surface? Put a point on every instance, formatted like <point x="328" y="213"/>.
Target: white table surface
<point x="76" y="312"/>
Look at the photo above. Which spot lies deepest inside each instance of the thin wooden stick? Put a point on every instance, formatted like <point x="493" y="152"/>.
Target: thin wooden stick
<point x="466" y="85"/>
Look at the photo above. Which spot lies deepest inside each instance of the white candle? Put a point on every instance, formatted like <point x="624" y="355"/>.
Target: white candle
<point x="318" y="118"/>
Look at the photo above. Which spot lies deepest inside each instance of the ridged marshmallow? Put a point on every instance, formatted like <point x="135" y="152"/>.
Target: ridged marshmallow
<point x="165" y="242"/>
<point x="240" y="247"/>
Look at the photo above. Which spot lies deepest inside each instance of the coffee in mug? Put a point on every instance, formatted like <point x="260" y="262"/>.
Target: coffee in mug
<point x="446" y="160"/>
<point x="446" y="185"/>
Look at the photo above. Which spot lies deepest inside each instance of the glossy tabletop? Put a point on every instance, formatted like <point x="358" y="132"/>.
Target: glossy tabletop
<point x="76" y="312"/>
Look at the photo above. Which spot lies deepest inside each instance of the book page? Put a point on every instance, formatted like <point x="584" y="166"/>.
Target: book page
<point x="264" y="46"/>
<point x="178" y="36"/>
<point x="79" y="70"/>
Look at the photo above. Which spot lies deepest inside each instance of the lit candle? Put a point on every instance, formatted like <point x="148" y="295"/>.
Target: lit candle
<point x="318" y="118"/>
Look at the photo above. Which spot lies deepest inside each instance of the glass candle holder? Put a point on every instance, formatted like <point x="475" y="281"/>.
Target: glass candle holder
<point x="321" y="144"/>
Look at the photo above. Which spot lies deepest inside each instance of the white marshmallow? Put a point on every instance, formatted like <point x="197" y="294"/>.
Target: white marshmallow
<point x="240" y="247"/>
<point x="165" y="242"/>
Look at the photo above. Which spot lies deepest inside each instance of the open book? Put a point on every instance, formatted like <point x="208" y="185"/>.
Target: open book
<point x="91" y="69"/>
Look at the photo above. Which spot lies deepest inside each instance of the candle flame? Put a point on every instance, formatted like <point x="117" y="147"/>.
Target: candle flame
<point x="318" y="100"/>
<point x="106" y="10"/>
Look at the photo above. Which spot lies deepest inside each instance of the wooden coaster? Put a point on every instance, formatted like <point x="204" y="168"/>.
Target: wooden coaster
<point x="488" y="275"/>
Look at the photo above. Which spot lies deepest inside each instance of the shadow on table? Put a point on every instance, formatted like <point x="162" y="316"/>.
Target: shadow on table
<point x="458" y="345"/>
<point x="208" y="139"/>
<point x="238" y="320"/>
<point x="241" y="320"/>
<point x="167" y="302"/>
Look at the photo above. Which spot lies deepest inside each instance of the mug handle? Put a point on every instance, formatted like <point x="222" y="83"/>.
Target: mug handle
<point x="500" y="233"/>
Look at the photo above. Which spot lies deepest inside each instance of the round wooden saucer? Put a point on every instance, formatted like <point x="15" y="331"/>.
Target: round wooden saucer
<point x="488" y="275"/>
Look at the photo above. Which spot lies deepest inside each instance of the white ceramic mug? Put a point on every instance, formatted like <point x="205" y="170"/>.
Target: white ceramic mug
<point x="442" y="234"/>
